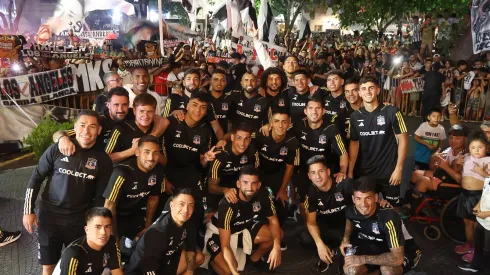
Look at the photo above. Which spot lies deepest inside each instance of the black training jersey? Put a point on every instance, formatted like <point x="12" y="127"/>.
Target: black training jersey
<point x="221" y="107"/>
<point x="297" y="105"/>
<point x="376" y="132"/>
<point x="383" y="229"/>
<point x="334" y="105"/>
<point x="80" y="258"/>
<point x="330" y="206"/>
<point x="279" y="102"/>
<point x="129" y="187"/>
<point x="179" y="102"/>
<point x="241" y="215"/>
<point x="74" y="182"/>
<point x="183" y="147"/>
<point x="121" y="137"/>
<point x="273" y="156"/>
<point x="163" y="239"/>
<point x="253" y="110"/>
<point x="227" y="165"/>
<point x="325" y="140"/>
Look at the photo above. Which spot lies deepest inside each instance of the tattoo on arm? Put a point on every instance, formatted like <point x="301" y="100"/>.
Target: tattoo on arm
<point x="190" y="259"/>
<point x="348" y="231"/>
<point x="393" y="258"/>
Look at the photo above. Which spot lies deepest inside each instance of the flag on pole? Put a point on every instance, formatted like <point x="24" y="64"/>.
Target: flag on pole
<point x="266" y="24"/>
<point x="304" y="25"/>
<point x="247" y="12"/>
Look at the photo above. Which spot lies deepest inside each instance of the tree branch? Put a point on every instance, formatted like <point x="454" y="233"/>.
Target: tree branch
<point x="10" y="9"/>
<point x="20" y="9"/>
<point x="4" y="21"/>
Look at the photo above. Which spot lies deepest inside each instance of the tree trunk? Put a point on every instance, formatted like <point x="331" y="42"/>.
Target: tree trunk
<point x="20" y="9"/>
<point x="384" y="26"/>
<point x="296" y="13"/>
<point x="10" y="9"/>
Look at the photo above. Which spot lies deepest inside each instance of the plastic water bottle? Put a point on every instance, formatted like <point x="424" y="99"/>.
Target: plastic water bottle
<point x="350" y="250"/>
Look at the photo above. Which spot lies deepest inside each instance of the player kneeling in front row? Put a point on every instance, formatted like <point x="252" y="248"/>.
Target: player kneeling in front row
<point x="237" y="227"/>
<point x="169" y="245"/>
<point x="96" y="250"/>
<point x="375" y="238"/>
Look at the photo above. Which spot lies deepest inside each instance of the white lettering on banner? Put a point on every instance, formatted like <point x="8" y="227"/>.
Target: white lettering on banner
<point x="75" y="173"/>
<point x="88" y="76"/>
<point x="37" y="88"/>
<point x="145" y="62"/>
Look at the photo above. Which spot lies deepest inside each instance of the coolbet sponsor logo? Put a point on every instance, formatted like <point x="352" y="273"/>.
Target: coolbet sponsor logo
<point x="75" y="174"/>
<point x="372" y="133"/>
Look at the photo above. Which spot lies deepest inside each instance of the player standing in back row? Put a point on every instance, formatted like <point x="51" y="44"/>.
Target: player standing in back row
<point x="380" y="133"/>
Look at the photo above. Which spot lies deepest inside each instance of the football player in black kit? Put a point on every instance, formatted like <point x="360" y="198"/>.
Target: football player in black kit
<point x="117" y="112"/>
<point x="74" y="183"/>
<point x="375" y="238"/>
<point x="93" y="252"/>
<point x="251" y="221"/>
<point x="218" y="98"/>
<point x="247" y="106"/>
<point x="224" y="170"/>
<point x="124" y="137"/>
<point x="298" y="96"/>
<point x="187" y="147"/>
<point x="317" y="135"/>
<point x="379" y="132"/>
<point x="169" y="245"/>
<point x="135" y="184"/>
<point x="176" y="104"/>
<point x="334" y="99"/>
<point x="278" y="153"/>
<point x="273" y="82"/>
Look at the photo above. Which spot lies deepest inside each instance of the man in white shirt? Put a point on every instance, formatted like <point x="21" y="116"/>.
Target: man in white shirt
<point x="141" y="79"/>
<point x="122" y="72"/>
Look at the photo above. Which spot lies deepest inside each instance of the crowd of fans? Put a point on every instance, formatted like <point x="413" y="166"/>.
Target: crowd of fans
<point x="198" y="164"/>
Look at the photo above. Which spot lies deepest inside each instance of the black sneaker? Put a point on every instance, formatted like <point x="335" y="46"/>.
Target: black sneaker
<point x="284" y="246"/>
<point x="261" y="266"/>
<point x="9" y="237"/>
<point x="322" y="266"/>
<point x="467" y="267"/>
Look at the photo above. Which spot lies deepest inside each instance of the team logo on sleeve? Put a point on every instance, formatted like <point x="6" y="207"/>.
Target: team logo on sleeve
<point x="257" y="108"/>
<point x="283" y="151"/>
<point x="196" y="140"/>
<point x="339" y="197"/>
<point x="375" y="228"/>
<point x="281" y="102"/>
<point x="322" y="139"/>
<point x="243" y="160"/>
<point x="256" y="206"/>
<point x="91" y="163"/>
<point x="380" y="120"/>
<point x="224" y="106"/>
<point x="152" y="180"/>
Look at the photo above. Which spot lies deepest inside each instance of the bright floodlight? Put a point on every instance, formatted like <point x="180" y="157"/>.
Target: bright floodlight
<point x="16" y="67"/>
<point x="116" y="16"/>
<point x="153" y="15"/>
<point x="397" y="60"/>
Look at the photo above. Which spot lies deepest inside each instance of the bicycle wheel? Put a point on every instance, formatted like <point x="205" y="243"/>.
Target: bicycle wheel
<point x="452" y="226"/>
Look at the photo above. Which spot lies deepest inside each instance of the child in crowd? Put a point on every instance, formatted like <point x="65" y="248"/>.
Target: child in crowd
<point x="475" y="98"/>
<point x="474" y="174"/>
<point x="482" y="230"/>
<point x="428" y="138"/>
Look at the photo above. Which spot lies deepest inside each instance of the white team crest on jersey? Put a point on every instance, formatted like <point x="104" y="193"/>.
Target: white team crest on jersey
<point x="224" y="106"/>
<point x="243" y="160"/>
<point x="375" y="228"/>
<point x="152" y="180"/>
<point x="256" y="206"/>
<point x="91" y="163"/>
<point x="339" y="197"/>
<point x="322" y="139"/>
<point x="283" y="151"/>
<point x="264" y="148"/>
<point x="342" y="104"/>
<point x="196" y="140"/>
<point x="281" y="102"/>
<point x="380" y="120"/>
<point x="177" y="134"/>
<point x="257" y="108"/>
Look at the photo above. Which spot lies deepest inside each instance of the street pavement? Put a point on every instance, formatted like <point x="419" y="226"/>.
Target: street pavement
<point x="20" y="257"/>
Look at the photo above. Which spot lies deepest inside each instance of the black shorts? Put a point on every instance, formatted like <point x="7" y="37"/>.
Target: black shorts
<point x="301" y="183"/>
<point x="52" y="235"/>
<point x="331" y="236"/>
<point x="420" y="166"/>
<point x="213" y="243"/>
<point x="416" y="45"/>
<point x="467" y="201"/>
<point x="444" y="176"/>
<point x="273" y="180"/>
<point x="391" y="193"/>
<point x="130" y="225"/>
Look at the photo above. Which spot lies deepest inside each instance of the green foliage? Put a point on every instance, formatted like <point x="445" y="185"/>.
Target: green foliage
<point x="41" y="137"/>
<point x="286" y="8"/>
<point x="381" y="13"/>
<point x="175" y="8"/>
